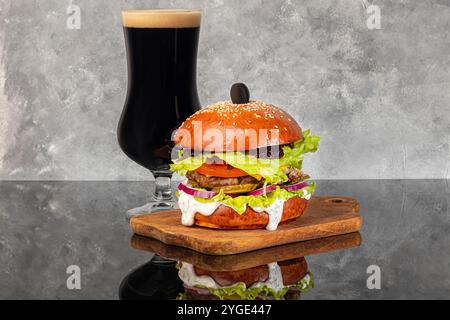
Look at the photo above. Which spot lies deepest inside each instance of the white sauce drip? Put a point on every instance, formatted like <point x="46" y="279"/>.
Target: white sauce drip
<point x="190" y="278"/>
<point x="307" y="282"/>
<point x="306" y="195"/>
<point x="189" y="207"/>
<point x="275" y="280"/>
<point x="275" y="212"/>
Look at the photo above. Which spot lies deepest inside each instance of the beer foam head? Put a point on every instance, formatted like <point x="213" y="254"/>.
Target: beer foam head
<point x="161" y="18"/>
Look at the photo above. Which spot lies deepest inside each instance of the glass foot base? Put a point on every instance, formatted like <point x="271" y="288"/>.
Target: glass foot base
<point x="151" y="207"/>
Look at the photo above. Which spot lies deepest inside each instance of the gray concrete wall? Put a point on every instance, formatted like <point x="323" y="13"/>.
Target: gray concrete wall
<point x="378" y="98"/>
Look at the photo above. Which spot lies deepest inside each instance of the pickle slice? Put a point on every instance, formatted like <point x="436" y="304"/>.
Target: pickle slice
<point x="242" y="188"/>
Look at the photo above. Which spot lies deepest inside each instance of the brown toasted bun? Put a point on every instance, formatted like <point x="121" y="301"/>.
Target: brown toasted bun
<point x="226" y="218"/>
<point x="239" y="127"/>
<point x="292" y="271"/>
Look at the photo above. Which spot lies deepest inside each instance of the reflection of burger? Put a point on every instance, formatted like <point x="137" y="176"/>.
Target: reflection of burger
<point x="250" y="275"/>
<point x="243" y="163"/>
<point x="282" y="280"/>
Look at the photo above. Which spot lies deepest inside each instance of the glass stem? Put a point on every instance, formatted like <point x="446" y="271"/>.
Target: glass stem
<point x="162" y="198"/>
<point x="163" y="189"/>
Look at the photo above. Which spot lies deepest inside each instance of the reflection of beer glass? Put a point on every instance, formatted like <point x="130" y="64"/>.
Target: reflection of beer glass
<point x="162" y="90"/>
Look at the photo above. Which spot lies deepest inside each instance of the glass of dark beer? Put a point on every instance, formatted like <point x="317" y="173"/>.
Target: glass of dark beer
<point x="162" y="91"/>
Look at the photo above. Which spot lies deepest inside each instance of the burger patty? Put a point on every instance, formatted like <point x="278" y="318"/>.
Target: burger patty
<point x="229" y="278"/>
<point x="199" y="180"/>
<point x="294" y="174"/>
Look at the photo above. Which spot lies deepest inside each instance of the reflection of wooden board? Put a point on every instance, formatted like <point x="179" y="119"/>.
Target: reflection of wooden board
<point x="250" y="259"/>
<point x="324" y="217"/>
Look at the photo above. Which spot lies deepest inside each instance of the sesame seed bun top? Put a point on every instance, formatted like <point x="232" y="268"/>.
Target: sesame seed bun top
<point x="228" y="127"/>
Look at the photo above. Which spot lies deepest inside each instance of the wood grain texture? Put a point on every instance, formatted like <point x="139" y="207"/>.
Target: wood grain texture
<point x="249" y="259"/>
<point x="324" y="217"/>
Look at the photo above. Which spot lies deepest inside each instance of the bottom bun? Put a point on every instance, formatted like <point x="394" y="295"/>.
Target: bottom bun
<point x="227" y="218"/>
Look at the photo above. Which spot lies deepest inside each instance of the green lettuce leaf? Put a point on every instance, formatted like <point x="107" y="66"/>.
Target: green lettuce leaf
<point x="293" y="156"/>
<point x="272" y="170"/>
<point x="239" y="204"/>
<point x="240" y="292"/>
<point x="182" y="296"/>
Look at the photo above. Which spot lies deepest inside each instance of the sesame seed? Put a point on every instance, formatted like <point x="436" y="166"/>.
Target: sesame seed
<point x="227" y="112"/>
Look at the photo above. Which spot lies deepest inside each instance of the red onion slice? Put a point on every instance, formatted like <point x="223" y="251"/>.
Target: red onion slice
<point x="296" y="186"/>
<point x="259" y="192"/>
<point x="196" y="192"/>
<point x="271" y="188"/>
<point x="262" y="191"/>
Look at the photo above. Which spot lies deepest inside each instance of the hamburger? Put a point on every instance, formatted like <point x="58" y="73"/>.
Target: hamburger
<point x="274" y="281"/>
<point x="242" y="160"/>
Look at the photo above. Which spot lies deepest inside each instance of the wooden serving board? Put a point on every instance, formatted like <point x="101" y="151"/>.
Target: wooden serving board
<point x="324" y="217"/>
<point x="249" y="259"/>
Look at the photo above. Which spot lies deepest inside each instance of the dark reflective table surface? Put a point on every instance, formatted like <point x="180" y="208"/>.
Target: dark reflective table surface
<point x="45" y="227"/>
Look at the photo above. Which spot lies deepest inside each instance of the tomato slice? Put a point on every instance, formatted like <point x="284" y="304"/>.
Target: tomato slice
<point x="221" y="171"/>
